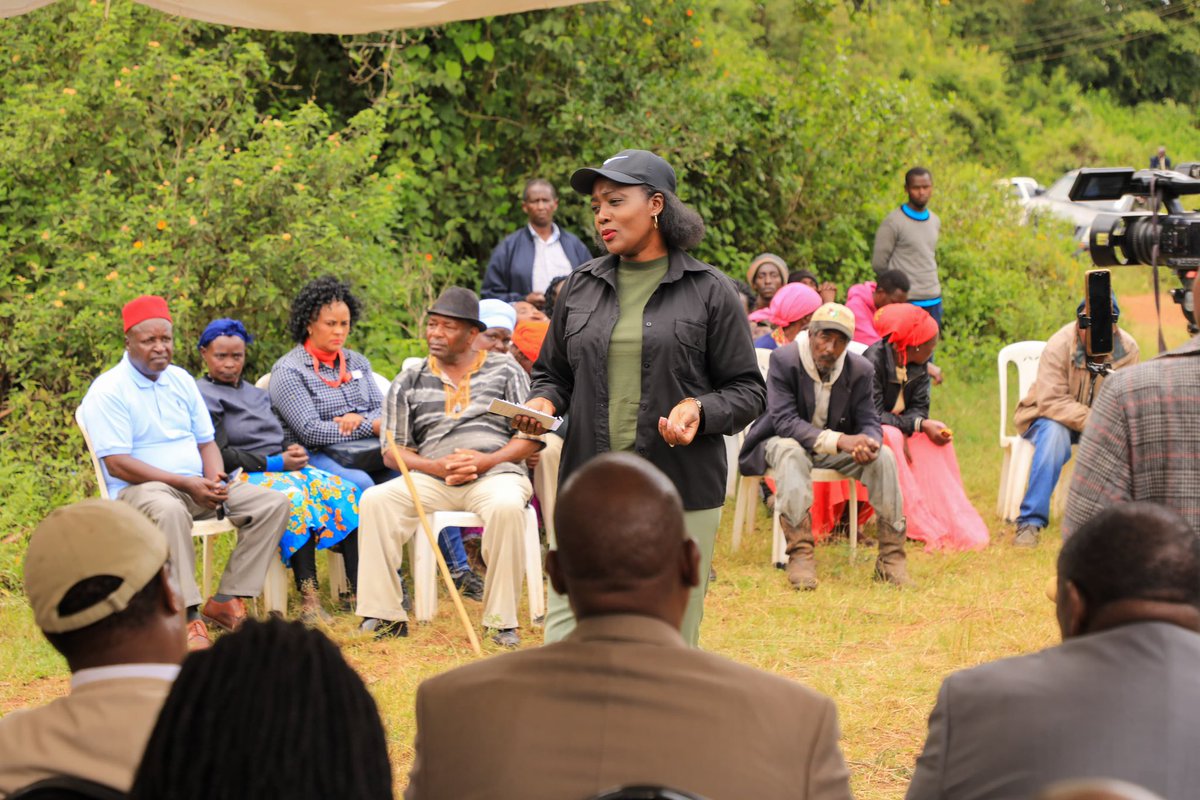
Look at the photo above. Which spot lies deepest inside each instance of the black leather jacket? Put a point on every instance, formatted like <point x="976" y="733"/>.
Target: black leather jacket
<point x="695" y="343"/>
<point x="887" y="388"/>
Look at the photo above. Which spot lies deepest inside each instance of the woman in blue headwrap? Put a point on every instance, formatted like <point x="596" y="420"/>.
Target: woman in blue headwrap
<point x="250" y="436"/>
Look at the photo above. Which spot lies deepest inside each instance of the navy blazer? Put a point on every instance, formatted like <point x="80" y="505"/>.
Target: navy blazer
<point x="509" y="275"/>
<point x="791" y="402"/>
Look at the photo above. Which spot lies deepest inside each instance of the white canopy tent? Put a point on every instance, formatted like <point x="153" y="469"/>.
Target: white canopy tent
<point x="324" y="16"/>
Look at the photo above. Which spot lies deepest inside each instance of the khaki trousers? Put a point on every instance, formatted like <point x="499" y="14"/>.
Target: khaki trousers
<point x="260" y="516"/>
<point x="702" y="527"/>
<point x="545" y="480"/>
<point x="388" y="519"/>
<point x="792" y="466"/>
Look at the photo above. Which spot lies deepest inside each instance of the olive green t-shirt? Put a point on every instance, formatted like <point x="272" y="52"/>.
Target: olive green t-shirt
<point x="636" y="281"/>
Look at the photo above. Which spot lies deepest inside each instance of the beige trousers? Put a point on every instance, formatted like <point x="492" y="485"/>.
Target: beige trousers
<point x="793" y="466"/>
<point x="545" y="480"/>
<point x="388" y="519"/>
<point x="260" y="516"/>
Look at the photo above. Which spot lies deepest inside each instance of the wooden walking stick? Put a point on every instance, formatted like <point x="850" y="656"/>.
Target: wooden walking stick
<point x="437" y="551"/>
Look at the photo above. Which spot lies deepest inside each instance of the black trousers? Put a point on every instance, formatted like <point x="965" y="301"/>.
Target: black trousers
<point x="304" y="562"/>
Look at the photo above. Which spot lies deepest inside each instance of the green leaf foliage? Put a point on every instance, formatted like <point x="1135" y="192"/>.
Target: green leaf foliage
<point x="223" y="168"/>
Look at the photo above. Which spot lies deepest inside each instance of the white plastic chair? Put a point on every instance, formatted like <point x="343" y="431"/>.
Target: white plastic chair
<point x="1018" y="452"/>
<point x="275" y="586"/>
<point x="744" y="512"/>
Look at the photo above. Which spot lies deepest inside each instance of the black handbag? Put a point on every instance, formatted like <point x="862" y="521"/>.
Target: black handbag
<point x="364" y="454"/>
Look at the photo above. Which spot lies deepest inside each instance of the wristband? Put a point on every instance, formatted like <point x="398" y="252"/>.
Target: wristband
<point x="275" y="463"/>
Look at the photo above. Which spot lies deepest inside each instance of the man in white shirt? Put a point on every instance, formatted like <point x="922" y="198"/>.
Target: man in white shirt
<point x="96" y="575"/>
<point x="522" y="266"/>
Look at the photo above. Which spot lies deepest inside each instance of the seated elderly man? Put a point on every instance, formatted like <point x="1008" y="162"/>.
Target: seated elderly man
<point x="1056" y="410"/>
<point x="821" y="414"/>
<point x="462" y="458"/>
<point x="623" y="699"/>
<point x="152" y="432"/>
<point x="97" y="578"/>
<point x="1117" y="699"/>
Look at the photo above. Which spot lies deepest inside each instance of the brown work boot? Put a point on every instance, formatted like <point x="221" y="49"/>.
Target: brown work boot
<point x="891" y="566"/>
<point x="801" y="566"/>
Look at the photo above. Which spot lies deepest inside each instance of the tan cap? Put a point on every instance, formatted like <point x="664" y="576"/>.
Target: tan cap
<point x="833" y="317"/>
<point x="85" y="540"/>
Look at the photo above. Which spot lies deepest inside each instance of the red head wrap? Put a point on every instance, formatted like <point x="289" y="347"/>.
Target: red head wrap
<point x="148" y="306"/>
<point x="528" y="337"/>
<point x="905" y="325"/>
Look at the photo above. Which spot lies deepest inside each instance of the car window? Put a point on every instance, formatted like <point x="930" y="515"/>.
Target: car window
<point x="1061" y="188"/>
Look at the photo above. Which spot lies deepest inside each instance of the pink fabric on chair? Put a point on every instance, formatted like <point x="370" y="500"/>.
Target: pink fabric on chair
<point x="935" y="505"/>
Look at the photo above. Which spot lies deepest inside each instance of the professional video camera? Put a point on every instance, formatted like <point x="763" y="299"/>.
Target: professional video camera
<point x="1119" y="240"/>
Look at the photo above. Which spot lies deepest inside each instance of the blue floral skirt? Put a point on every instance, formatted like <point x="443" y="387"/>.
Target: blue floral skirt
<point x="323" y="506"/>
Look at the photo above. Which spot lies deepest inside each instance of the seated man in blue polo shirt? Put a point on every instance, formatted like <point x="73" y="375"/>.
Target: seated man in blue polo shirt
<point x="154" y="438"/>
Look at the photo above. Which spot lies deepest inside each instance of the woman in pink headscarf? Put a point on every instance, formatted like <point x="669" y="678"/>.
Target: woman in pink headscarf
<point x="935" y="505"/>
<point x="790" y="310"/>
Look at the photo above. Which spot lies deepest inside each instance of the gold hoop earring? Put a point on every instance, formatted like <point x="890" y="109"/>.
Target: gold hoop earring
<point x="656" y="221"/>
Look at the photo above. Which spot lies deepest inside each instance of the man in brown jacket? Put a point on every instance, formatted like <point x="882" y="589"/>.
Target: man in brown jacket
<point x="623" y="700"/>
<point x="1054" y="413"/>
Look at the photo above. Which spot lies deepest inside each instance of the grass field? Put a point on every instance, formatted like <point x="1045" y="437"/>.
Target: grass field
<point x="880" y="653"/>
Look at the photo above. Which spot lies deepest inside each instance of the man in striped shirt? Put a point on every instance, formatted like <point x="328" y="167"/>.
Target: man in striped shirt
<point x="462" y="458"/>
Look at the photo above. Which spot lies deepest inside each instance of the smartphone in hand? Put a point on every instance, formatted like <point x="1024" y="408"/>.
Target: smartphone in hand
<point x="229" y="479"/>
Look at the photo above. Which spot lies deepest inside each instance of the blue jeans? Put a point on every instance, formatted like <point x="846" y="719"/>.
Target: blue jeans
<point x="1051" y="451"/>
<point x="450" y="540"/>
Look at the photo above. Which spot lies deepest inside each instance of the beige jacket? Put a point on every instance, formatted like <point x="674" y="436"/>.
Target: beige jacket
<point x="1063" y="390"/>
<point x="97" y="732"/>
<point x="622" y="700"/>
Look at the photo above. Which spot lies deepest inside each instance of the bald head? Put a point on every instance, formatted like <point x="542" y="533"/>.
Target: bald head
<point x="1136" y="560"/>
<point x="622" y="546"/>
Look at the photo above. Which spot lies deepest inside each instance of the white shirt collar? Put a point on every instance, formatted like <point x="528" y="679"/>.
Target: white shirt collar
<point x="162" y="672"/>
<point x="554" y="234"/>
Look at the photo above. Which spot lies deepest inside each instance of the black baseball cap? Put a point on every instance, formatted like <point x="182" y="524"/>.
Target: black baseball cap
<point x="628" y="167"/>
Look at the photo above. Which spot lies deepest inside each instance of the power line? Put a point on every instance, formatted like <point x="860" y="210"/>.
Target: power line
<point x="1063" y="39"/>
<point x="1083" y="50"/>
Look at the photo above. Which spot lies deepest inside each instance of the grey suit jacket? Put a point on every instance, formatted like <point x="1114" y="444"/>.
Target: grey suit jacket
<point x="622" y="700"/>
<point x="1124" y="703"/>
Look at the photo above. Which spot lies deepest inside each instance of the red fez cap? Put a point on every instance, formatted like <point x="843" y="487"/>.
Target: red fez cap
<point x="148" y="306"/>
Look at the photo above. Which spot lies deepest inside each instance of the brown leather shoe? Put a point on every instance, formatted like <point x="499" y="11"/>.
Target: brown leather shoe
<point x="228" y="615"/>
<point x="197" y="635"/>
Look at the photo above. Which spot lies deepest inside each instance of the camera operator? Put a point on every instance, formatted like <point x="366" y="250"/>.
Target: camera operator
<point x="1058" y="408"/>
<point x="1143" y="439"/>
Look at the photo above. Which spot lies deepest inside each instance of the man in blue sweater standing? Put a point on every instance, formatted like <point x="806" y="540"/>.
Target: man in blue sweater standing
<point x="522" y="266"/>
<point x="907" y="241"/>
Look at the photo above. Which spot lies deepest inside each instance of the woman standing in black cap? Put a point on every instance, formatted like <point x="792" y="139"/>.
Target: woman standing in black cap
<point x="649" y="352"/>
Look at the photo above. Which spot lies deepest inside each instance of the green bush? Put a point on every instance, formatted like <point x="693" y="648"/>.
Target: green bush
<point x="223" y="168"/>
